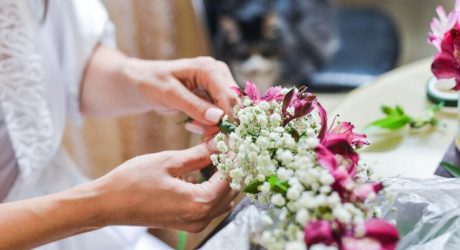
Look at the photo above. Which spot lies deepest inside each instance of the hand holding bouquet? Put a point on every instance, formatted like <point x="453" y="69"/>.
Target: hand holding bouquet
<point x="281" y="151"/>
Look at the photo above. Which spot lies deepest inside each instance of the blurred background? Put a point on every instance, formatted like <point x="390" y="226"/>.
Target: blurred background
<point x="330" y="46"/>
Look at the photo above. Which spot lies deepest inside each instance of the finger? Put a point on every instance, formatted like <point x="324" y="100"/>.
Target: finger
<point x="216" y="187"/>
<point x="224" y="205"/>
<point x="212" y="75"/>
<point x="191" y="159"/>
<point x="197" y="108"/>
<point x="199" y="128"/>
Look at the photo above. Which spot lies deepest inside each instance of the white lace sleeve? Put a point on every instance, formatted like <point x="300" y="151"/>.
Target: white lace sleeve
<point x="86" y="24"/>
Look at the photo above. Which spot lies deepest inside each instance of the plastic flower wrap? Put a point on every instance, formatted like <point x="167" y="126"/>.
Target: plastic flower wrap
<point x="280" y="151"/>
<point x="445" y="37"/>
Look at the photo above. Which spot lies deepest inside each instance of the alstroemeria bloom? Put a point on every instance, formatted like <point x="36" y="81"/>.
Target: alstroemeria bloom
<point x="363" y="191"/>
<point x="446" y="63"/>
<point x="444" y="36"/>
<point x="373" y="234"/>
<point x="376" y="234"/>
<point x="441" y="25"/>
<point x="251" y="90"/>
<point x="346" y="129"/>
<point x="319" y="232"/>
<point x="302" y="103"/>
<point x="341" y="140"/>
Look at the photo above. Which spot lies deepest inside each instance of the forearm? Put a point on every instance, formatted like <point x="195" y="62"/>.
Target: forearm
<point x="30" y="223"/>
<point x="108" y="87"/>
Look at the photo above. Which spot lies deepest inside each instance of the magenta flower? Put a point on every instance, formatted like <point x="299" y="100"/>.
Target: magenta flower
<point x="333" y="145"/>
<point x="446" y="63"/>
<point x="303" y="104"/>
<point x="317" y="232"/>
<point x="346" y="129"/>
<point x="443" y="24"/>
<point x="251" y="90"/>
<point x="373" y="234"/>
<point x="362" y="192"/>
<point x="273" y="94"/>
<point x="378" y="235"/>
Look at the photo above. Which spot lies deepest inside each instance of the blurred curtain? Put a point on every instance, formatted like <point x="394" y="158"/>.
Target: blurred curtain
<point x="149" y="29"/>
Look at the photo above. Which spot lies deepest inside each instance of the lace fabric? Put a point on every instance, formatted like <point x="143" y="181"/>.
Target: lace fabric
<point x="22" y="89"/>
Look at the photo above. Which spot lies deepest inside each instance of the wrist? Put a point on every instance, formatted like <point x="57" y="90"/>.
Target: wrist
<point x="133" y="72"/>
<point x="86" y="204"/>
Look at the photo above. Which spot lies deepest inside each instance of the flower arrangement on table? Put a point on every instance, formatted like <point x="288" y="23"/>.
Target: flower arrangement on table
<point x="280" y="151"/>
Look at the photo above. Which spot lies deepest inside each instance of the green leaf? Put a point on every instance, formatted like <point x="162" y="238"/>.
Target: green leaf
<point x="277" y="185"/>
<point x="226" y="127"/>
<point x="400" y="110"/>
<point x="392" y="122"/>
<point x="181" y="240"/>
<point x="386" y="110"/>
<point x="253" y="187"/>
<point x="452" y="169"/>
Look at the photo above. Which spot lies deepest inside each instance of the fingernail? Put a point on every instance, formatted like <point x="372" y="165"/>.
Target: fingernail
<point x="193" y="128"/>
<point x="212" y="145"/>
<point x="214" y="114"/>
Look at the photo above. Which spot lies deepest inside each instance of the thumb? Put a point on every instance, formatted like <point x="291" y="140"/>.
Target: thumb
<point x="191" y="159"/>
<point x="197" y="108"/>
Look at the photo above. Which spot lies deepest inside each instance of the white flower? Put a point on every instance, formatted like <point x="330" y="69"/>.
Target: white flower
<point x="293" y="193"/>
<point x="264" y="105"/>
<point x="342" y="214"/>
<point x="215" y="159"/>
<point x="278" y="200"/>
<point x="326" y="178"/>
<point x="284" y="174"/>
<point x="302" y="216"/>
<point x="295" y="245"/>
<point x="221" y="146"/>
<point x="265" y="187"/>
<point x="262" y="142"/>
<point x="322" y="247"/>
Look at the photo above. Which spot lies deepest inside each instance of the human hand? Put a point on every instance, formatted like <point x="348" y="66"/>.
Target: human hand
<point x="173" y="85"/>
<point x="147" y="191"/>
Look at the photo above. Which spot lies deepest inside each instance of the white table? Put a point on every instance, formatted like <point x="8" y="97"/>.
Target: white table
<point x="411" y="154"/>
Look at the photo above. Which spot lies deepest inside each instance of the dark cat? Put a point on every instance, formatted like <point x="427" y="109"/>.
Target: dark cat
<point x="271" y="41"/>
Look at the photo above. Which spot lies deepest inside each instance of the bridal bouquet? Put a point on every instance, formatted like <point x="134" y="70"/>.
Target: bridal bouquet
<point x="281" y="152"/>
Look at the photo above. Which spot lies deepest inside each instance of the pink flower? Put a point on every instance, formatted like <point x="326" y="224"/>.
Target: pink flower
<point x="446" y="63"/>
<point x="362" y="192"/>
<point x="273" y="94"/>
<point x="302" y="102"/>
<point x="251" y="90"/>
<point x="377" y="234"/>
<point x="373" y="234"/>
<point x="443" y="24"/>
<point x="317" y="232"/>
<point x="346" y="129"/>
<point x="334" y="145"/>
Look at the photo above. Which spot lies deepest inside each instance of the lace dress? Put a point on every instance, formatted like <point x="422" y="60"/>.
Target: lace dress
<point x="41" y="65"/>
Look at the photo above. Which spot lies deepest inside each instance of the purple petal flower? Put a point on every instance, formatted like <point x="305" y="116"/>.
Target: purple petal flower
<point x="319" y="232"/>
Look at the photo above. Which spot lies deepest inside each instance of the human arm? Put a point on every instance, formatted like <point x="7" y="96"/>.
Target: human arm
<point x="143" y="191"/>
<point x="115" y="84"/>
